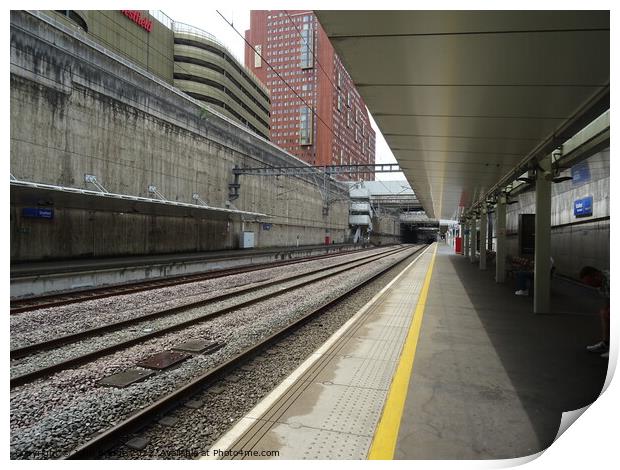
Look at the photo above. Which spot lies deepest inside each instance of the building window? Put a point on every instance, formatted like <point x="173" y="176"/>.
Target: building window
<point x="307" y="46"/>
<point x="348" y="99"/>
<point x="73" y="16"/>
<point x="305" y="125"/>
<point x="257" y="56"/>
<point x="348" y="118"/>
<point x="339" y="102"/>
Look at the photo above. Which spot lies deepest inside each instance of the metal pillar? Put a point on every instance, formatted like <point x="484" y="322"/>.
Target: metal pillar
<point x="500" y="254"/>
<point x="484" y="231"/>
<point x="462" y="234"/>
<point x="474" y="242"/>
<point x="466" y="238"/>
<point x="542" y="252"/>
<point x="490" y="233"/>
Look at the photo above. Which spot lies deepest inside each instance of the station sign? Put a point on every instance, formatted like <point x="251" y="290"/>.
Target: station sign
<point x="38" y="213"/>
<point x="136" y="17"/>
<point x="267" y="226"/>
<point x="583" y="207"/>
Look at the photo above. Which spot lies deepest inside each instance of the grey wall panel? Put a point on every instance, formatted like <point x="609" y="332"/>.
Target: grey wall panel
<point x="75" y="110"/>
<point x="575" y="242"/>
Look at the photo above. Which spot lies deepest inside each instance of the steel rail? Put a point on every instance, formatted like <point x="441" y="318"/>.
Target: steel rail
<point x="93" y="355"/>
<point x="66" y="298"/>
<point x="80" y="335"/>
<point x="142" y="418"/>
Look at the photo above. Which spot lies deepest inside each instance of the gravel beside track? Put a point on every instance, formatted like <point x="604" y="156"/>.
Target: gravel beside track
<point x="37" y="325"/>
<point x="51" y="416"/>
<point x="198" y="429"/>
<point x="47" y="358"/>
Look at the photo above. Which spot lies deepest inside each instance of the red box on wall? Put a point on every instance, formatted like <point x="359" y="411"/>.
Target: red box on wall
<point x="457" y="245"/>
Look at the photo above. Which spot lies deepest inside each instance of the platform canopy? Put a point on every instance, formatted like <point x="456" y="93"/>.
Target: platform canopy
<point x="466" y="98"/>
<point x="27" y="193"/>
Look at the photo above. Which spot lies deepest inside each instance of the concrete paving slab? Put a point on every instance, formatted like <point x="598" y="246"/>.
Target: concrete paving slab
<point x="332" y="403"/>
<point x="491" y="379"/>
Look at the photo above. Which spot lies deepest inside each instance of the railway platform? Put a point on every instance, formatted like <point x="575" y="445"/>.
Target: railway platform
<point x="442" y="364"/>
<point x="54" y="276"/>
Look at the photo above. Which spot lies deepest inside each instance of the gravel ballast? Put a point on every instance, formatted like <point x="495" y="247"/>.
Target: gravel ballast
<point x="50" y="417"/>
<point x="38" y="325"/>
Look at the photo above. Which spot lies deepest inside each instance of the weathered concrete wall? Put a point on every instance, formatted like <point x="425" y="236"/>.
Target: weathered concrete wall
<point x="385" y="229"/>
<point x="575" y="242"/>
<point x="151" y="50"/>
<point x="76" y="111"/>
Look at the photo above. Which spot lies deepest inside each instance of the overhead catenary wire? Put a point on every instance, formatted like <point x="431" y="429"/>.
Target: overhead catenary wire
<point x="278" y="74"/>
<point x="334" y="87"/>
<point x="142" y="106"/>
<point x="136" y="40"/>
<point x="132" y="102"/>
<point x="311" y="108"/>
<point x="311" y="51"/>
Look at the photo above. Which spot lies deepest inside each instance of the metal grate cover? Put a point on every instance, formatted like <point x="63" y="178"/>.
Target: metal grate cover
<point x="125" y="378"/>
<point x="163" y="360"/>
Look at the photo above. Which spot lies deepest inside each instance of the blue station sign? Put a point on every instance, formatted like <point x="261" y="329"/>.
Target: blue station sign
<point x="583" y="207"/>
<point x="38" y="212"/>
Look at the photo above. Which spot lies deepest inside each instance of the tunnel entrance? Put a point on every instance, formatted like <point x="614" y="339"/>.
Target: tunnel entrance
<point x="414" y="234"/>
<point x="408" y="233"/>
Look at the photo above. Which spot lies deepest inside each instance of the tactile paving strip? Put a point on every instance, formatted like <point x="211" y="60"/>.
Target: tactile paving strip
<point x="331" y="410"/>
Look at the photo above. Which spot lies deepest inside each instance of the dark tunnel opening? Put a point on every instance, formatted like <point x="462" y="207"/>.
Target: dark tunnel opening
<point x="412" y="234"/>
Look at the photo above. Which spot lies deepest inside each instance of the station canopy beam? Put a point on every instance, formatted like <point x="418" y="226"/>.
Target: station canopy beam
<point x="508" y="88"/>
<point x="330" y="170"/>
<point x="321" y="175"/>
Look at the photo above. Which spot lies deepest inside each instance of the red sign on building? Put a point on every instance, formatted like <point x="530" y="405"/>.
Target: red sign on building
<point x="136" y="17"/>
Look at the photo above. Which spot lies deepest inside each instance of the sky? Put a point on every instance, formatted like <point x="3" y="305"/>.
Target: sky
<point x="211" y="22"/>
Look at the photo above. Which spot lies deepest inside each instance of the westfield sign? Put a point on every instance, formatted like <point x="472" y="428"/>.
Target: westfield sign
<point x="136" y="17"/>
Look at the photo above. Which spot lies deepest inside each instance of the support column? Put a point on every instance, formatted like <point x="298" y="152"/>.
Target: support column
<point x="474" y="238"/>
<point x="466" y="238"/>
<point x="484" y="230"/>
<point x="462" y="234"/>
<point x="500" y="230"/>
<point x="542" y="250"/>
<point x="490" y="232"/>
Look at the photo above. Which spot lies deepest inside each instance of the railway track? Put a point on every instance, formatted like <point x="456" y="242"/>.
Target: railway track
<point x="56" y="300"/>
<point x="313" y="275"/>
<point x="112" y="436"/>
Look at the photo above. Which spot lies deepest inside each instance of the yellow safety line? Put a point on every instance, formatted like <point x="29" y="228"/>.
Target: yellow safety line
<point x="386" y="434"/>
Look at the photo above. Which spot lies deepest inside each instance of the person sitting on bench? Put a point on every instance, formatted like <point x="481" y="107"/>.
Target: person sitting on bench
<point x="599" y="279"/>
<point x="525" y="275"/>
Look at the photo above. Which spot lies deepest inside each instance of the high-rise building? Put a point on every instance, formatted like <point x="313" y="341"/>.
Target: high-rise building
<point x="317" y="114"/>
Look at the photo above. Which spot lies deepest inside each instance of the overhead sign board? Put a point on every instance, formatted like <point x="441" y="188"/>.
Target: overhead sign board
<point x="38" y="212"/>
<point x="583" y="207"/>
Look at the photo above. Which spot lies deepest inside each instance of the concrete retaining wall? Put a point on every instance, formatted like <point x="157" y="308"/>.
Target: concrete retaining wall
<point x="76" y="110"/>
<point x="575" y="242"/>
<point x="386" y="230"/>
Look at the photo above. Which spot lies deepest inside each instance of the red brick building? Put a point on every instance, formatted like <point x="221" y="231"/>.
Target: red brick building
<point x="295" y="45"/>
